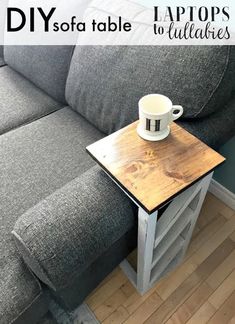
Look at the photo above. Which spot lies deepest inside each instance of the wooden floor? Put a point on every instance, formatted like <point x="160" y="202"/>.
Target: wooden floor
<point x="201" y="290"/>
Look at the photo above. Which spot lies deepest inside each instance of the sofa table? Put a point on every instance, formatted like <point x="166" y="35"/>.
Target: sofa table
<point x="168" y="181"/>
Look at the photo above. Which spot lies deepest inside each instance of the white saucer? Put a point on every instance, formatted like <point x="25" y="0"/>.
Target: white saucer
<point x="153" y="138"/>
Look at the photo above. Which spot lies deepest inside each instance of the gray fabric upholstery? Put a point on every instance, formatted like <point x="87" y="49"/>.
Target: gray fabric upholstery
<point x="47" y="319"/>
<point x="69" y="230"/>
<point x="20" y="101"/>
<point x="21" y="296"/>
<point x="45" y="66"/>
<point x="216" y="129"/>
<point x="2" y="62"/>
<point x="33" y="309"/>
<point x="35" y="160"/>
<point x="84" y="283"/>
<point x="105" y="83"/>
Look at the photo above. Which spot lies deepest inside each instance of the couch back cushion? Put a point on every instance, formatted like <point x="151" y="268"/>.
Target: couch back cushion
<point x="105" y="83"/>
<point x="46" y="66"/>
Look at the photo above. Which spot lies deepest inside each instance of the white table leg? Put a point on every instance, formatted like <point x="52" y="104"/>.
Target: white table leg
<point x="162" y="244"/>
<point x="146" y="239"/>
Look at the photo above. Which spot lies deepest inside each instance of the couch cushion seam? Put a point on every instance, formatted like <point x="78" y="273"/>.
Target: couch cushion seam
<point x="31" y="121"/>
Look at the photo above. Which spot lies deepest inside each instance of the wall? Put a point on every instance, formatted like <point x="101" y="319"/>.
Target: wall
<point x="225" y="174"/>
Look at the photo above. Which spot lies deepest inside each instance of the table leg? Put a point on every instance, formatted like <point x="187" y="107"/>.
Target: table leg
<point x="162" y="243"/>
<point x="146" y="239"/>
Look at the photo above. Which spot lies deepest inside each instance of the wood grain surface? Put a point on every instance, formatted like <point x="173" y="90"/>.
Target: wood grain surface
<point x="201" y="289"/>
<point x="152" y="173"/>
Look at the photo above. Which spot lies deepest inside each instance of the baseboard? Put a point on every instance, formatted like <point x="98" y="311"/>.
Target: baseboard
<point x="222" y="193"/>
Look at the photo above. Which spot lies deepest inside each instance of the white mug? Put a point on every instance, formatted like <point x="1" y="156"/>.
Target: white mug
<point x="156" y="112"/>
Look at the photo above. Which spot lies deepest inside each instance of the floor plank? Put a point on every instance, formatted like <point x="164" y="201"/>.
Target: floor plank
<point x="216" y="206"/>
<point x="232" y="236"/>
<point x="147" y="307"/>
<point x="222" y="271"/>
<point x="192" y="304"/>
<point x="232" y="321"/>
<point x="226" y="311"/>
<point x="205" y="233"/>
<point x="168" y="284"/>
<point x="191" y="283"/>
<point x="110" y="305"/>
<point x="223" y="291"/>
<point x="173" y="280"/>
<point x="201" y="289"/>
<point x="135" y="300"/>
<point x="203" y="315"/>
<point x="213" y="242"/>
<point x="128" y="289"/>
<point x="117" y="317"/>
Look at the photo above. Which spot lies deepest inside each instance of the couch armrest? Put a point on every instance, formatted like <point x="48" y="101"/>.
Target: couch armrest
<point x="62" y="235"/>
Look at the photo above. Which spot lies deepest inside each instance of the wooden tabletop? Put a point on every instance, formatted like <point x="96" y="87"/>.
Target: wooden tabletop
<point x="152" y="173"/>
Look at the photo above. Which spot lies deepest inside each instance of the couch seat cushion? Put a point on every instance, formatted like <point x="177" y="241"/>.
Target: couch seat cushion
<point x="35" y="160"/>
<point x="20" y="101"/>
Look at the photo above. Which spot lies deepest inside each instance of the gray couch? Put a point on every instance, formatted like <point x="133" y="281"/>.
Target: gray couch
<point x="63" y="224"/>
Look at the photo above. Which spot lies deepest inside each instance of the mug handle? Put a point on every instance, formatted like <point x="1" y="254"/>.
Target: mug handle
<point x="180" y="113"/>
